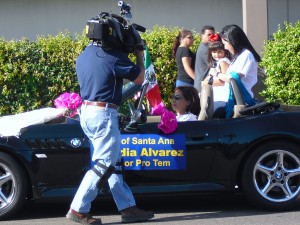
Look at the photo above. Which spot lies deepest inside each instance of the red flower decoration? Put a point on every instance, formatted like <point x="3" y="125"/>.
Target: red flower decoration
<point x="214" y="37"/>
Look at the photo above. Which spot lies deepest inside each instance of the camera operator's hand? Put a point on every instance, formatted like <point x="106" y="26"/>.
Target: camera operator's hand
<point x="138" y="53"/>
<point x="141" y="46"/>
<point x="140" y="62"/>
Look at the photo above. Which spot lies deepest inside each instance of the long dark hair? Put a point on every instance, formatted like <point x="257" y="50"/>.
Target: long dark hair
<point x="238" y="39"/>
<point x="183" y="33"/>
<point x="190" y="94"/>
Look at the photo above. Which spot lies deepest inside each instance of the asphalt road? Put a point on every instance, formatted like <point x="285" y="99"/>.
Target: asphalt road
<point x="187" y="210"/>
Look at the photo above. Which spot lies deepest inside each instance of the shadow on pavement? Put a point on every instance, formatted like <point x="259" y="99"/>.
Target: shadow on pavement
<point x="192" y="207"/>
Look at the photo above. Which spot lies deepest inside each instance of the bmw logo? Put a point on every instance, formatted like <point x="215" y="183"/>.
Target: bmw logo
<point x="75" y="142"/>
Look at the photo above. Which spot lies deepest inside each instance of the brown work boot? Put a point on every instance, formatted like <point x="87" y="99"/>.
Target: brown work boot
<point x="83" y="218"/>
<point x="134" y="214"/>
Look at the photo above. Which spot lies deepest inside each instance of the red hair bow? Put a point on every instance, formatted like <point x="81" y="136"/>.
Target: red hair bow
<point x="214" y="37"/>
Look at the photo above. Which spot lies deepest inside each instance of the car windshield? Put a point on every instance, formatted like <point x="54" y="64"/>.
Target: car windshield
<point x="128" y="90"/>
<point x="127" y="84"/>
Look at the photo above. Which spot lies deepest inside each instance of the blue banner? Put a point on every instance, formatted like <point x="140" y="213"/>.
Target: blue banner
<point x="153" y="151"/>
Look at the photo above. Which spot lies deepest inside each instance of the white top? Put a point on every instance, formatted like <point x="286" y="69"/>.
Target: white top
<point x="218" y="68"/>
<point x="186" y="117"/>
<point x="221" y="93"/>
<point x="246" y="64"/>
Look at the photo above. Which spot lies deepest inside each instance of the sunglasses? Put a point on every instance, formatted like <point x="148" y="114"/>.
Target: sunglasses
<point x="177" y="97"/>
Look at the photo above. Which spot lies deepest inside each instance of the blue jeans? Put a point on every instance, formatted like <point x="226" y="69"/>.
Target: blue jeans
<point x="182" y="83"/>
<point x="102" y="128"/>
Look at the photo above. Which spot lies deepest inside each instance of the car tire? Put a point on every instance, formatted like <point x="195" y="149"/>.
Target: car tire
<point x="13" y="186"/>
<point x="271" y="176"/>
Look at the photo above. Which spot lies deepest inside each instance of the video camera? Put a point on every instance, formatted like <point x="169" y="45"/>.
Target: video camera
<point x="112" y="31"/>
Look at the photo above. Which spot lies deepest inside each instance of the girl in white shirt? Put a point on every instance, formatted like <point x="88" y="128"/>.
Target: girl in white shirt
<point x="219" y="61"/>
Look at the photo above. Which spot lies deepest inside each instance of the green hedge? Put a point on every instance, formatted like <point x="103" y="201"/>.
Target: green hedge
<point x="281" y="61"/>
<point x="33" y="74"/>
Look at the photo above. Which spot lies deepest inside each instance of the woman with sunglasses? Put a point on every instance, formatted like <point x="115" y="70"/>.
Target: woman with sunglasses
<point x="186" y="103"/>
<point x="185" y="58"/>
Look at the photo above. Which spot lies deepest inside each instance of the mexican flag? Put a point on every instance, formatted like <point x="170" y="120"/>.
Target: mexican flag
<point x="152" y="92"/>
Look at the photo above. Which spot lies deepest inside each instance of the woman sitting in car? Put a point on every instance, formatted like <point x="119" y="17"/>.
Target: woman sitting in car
<point x="186" y="103"/>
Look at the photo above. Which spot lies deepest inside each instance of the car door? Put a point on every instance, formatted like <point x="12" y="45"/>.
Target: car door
<point x="58" y="154"/>
<point x="200" y="143"/>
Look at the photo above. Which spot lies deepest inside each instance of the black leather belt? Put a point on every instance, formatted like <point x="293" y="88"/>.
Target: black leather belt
<point x="101" y="104"/>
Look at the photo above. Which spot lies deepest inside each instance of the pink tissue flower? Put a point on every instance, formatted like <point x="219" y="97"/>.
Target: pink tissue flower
<point x="158" y="109"/>
<point x="69" y="101"/>
<point x="168" y="123"/>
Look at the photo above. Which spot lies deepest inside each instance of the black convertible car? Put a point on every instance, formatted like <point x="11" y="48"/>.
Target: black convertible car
<point x="256" y="153"/>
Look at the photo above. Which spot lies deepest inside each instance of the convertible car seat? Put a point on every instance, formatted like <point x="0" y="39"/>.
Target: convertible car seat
<point x="240" y="107"/>
<point x="239" y="100"/>
<point x="206" y="102"/>
<point x="261" y="107"/>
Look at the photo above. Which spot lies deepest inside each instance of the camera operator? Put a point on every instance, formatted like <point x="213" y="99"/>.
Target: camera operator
<point x="100" y="73"/>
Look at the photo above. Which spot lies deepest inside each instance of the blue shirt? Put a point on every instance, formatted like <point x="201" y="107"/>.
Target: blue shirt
<point x="101" y="72"/>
